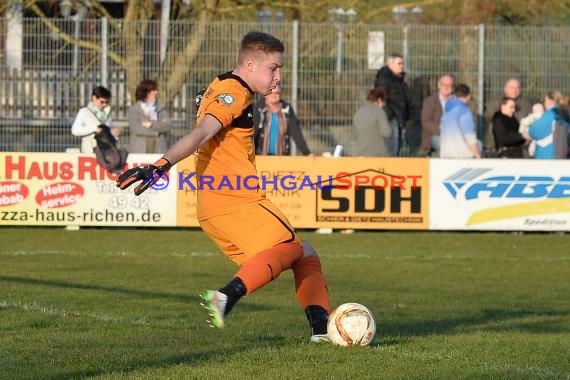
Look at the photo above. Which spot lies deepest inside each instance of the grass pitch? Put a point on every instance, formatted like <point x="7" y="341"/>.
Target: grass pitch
<point x="123" y="304"/>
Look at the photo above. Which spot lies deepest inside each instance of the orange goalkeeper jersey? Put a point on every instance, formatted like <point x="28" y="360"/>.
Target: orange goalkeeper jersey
<point x="225" y="165"/>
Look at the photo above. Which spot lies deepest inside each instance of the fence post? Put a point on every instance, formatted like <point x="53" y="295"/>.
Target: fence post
<point x="104" y="51"/>
<point x="295" y="63"/>
<point x="164" y="27"/>
<point x="14" y="35"/>
<point x="294" y="73"/>
<point x="481" y="78"/>
<point x="405" y="47"/>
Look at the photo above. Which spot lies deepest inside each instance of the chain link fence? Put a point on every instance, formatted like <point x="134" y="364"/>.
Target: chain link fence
<point x="326" y="74"/>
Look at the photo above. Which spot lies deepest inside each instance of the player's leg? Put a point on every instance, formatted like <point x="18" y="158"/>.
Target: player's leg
<point x="260" y="270"/>
<point x="312" y="292"/>
<point x="266" y="246"/>
<point x="215" y="301"/>
<point x="268" y="264"/>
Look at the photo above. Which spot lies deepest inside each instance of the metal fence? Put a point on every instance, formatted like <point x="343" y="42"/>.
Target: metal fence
<point x="326" y="74"/>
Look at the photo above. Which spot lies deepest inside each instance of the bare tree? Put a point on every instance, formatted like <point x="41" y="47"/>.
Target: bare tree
<point x="133" y="29"/>
<point x="138" y="14"/>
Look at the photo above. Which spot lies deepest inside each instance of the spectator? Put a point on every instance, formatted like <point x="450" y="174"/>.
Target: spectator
<point x="149" y="121"/>
<point x="89" y="119"/>
<point x="537" y="111"/>
<point x="391" y="79"/>
<point x="372" y="126"/>
<point x="509" y="142"/>
<point x="275" y="124"/>
<point x="511" y="89"/>
<point x="551" y="130"/>
<point x="432" y="109"/>
<point x="458" y="136"/>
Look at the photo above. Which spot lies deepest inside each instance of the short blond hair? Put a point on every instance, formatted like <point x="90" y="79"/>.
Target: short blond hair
<point x="258" y="42"/>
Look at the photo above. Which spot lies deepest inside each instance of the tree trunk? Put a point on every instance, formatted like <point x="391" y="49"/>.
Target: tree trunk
<point x="134" y="29"/>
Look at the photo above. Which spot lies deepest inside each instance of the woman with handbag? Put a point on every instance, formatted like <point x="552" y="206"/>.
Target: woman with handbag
<point x="89" y="119"/>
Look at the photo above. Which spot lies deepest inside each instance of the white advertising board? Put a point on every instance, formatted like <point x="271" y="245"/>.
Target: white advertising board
<point x="376" y="48"/>
<point x="60" y="189"/>
<point x="494" y="194"/>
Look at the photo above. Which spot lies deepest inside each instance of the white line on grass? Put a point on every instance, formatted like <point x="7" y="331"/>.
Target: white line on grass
<point x="118" y="253"/>
<point x="121" y="253"/>
<point x="476" y="257"/>
<point x="165" y="254"/>
<point x="452" y="257"/>
<point x="35" y="253"/>
<point x="535" y="372"/>
<point x="191" y="254"/>
<point x="34" y="307"/>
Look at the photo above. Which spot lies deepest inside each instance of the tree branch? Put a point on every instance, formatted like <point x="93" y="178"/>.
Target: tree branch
<point x="72" y="40"/>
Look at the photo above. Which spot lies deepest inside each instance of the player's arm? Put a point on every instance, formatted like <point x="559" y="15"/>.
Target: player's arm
<point x="188" y="144"/>
<point x="148" y="175"/>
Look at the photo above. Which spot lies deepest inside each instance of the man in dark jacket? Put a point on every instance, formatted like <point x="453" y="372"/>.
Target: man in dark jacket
<point x="391" y="79"/>
<point x="275" y="124"/>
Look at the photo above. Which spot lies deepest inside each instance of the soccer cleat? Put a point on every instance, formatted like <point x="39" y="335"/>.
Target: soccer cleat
<point x="215" y="303"/>
<point x="320" y="338"/>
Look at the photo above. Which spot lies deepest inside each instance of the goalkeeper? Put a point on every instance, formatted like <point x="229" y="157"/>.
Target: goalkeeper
<point x="243" y="223"/>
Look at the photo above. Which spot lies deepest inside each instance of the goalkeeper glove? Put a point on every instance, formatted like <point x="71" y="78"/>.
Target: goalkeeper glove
<point x="148" y="174"/>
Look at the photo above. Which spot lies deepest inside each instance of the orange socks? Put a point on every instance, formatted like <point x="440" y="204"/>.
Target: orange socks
<point x="310" y="284"/>
<point x="267" y="265"/>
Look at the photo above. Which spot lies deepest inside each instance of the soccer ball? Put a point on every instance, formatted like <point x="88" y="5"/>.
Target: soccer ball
<point x="351" y="325"/>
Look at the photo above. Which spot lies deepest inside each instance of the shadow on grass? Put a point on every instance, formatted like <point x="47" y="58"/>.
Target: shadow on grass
<point x="75" y="285"/>
<point x="127" y="291"/>
<point x="489" y="320"/>
<point x="194" y="358"/>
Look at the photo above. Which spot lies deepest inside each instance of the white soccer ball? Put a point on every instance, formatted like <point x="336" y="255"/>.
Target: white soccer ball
<point x="351" y="325"/>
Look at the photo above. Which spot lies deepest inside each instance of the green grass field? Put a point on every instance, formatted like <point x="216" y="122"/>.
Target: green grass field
<point x="123" y="304"/>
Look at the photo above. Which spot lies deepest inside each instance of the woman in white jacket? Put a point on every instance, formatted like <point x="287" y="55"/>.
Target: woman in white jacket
<point x="90" y="117"/>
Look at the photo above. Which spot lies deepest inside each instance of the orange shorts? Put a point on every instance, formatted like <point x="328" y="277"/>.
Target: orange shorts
<point x="249" y="230"/>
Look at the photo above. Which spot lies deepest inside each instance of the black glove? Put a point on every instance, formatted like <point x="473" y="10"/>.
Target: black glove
<point x="148" y="174"/>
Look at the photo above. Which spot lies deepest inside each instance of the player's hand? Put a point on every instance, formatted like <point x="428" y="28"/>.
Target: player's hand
<point x="147" y="174"/>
